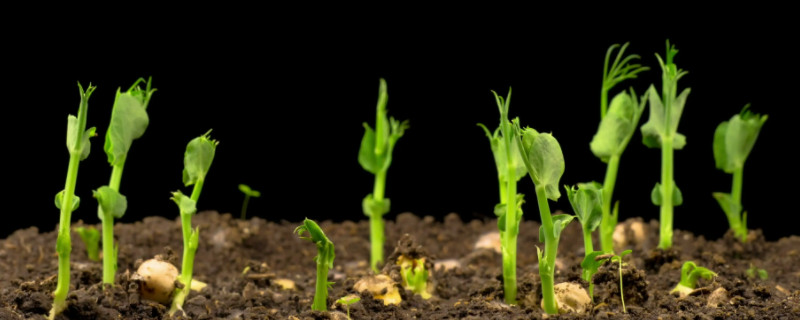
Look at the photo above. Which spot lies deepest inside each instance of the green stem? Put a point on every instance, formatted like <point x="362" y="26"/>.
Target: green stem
<point x="189" y="250"/>
<point x="609" y="223"/>
<point x="587" y="242"/>
<point x="64" y="243"/>
<point x="198" y="187"/>
<point x="503" y="191"/>
<point x="735" y="218"/>
<point x="109" y="257"/>
<point x="547" y="270"/>
<point x="321" y="294"/>
<point x="667" y="183"/>
<point x="509" y="242"/>
<point x="376" y="221"/>
<point x="603" y="101"/>
<point x="244" y="206"/>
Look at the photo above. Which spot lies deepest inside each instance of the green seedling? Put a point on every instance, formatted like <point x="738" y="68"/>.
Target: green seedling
<point x="78" y="145"/>
<point x="617" y="126"/>
<point x="248" y="192"/>
<point x="752" y="272"/>
<point x="510" y="169"/>
<point x="690" y="273"/>
<point x="587" y="201"/>
<point x="324" y="260"/>
<point x="346" y="301"/>
<point x="196" y="163"/>
<point x="375" y="156"/>
<point x="733" y="141"/>
<point x="91" y="238"/>
<point x="594" y="260"/>
<point x="128" y="122"/>
<point x="414" y="275"/>
<point x="544" y="160"/>
<point x="661" y="131"/>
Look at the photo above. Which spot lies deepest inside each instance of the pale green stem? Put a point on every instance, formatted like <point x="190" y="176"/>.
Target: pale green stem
<point x="607" y="227"/>
<point x="64" y="250"/>
<point x="735" y="218"/>
<point x="376" y="222"/>
<point x="547" y="274"/>
<point x="509" y="243"/>
<point x="189" y="250"/>
<point x="109" y="257"/>
<point x="588" y="248"/>
<point x="667" y="185"/>
<point x="321" y="294"/>
<point x="603" y="102"/>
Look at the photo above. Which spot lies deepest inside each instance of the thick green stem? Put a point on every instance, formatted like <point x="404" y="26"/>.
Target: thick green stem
<point x="509" y="242"/>
<point x="547" y="270"/>
<point x="190" y="242"/>
<point x="109" y="257"/>
<point x="244" y="206"/>
<point x="735" y="217"/>
<point x="321" y="294"/>
<point x="609" y="223"/>
<point x="503" y="191"/>
<point x="587" y="242"/>
<point x="64" y="243"/>
<point x="667" y="187"/>
<point x="376" y="221"/>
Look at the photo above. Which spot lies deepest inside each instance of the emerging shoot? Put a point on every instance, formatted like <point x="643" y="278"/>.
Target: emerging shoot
<point x="690" y="273"/>
<point x="248" y="192"/>
<point x="661" y="131"/>
<point x="587" y="201"/>
<point x="510" y="169"/>
<point x="617" y="126"/>
<point x="753" y="271"/>
<point x="346" y="301"/>
<point x="544" y="160"/>
<point x="91" y="238"/>
<point x="414" y="275"/>
<point x="733" y="141"/>
<point x="129" y="120"/>
<point x="375" y="156"/>
<point x="324" y="260"/>
<point x="594" y="260"/>
<point x="66" y="200"/>
<point x="196" y="161"/>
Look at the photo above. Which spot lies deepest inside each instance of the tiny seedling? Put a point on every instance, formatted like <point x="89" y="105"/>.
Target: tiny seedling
<point x="324" y="260"/>
<point x="587" y="201"/>
<point x="617" y="126"/>
<point x="510" y="169"/>
<point x="248" y="192"/>
<point x="78" y="145"/>
<point x="733" y="141"/>
<point x="346" y="301"/>
<point x="128" y="122"/>
<point x="594" y="260"/>
<point x="414" y="275"/>
<point x="753" y="271"/>
<point x="91" y="238"/>
<point x="661" y="131"/>
<point x="375" y="156"/>
<point x="690" y="273"/>
<point x="544" y="160"/>
<point x="196" y="161"/>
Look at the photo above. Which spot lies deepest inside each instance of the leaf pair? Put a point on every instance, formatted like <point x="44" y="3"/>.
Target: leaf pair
<point x="543" y="158"/>
<point x="499" y="147"/>
<point x="592" y="262"/>
<point x="587" y="203"/>
<point x="375" y="154"/>
<point x="129" y="120"/>
<point x="665" y="114"/>
<point x="618" y="125"/>
<point x="501" y="212"/>
<point x="735" y="138"/>
<point x="111" y="202"/>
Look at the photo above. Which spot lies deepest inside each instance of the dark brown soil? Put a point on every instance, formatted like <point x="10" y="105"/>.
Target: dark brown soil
<point x="240" y="261"/>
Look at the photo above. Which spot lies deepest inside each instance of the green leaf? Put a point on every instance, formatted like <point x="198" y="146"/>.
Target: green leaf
<point x="325" y="248"/>
<point x="587" y="203"/>
<point x="500" y="211"/>
<point x="366" y="154"/>
<point x="546" y="160"/>
<point x="740" y="137"/>
<point x="560" y="222"/>
<point x="727" y="204"/>
<point x="618" y="126"/>
<point x="129" y="120"/>
<point x="590" y="265"/>
<point x="248" y="191"/>
<point x="197" y="159"/>
<point x="185" y="204"/>
<point x="625" y="253"/>
<point x="654" y="130"/>
<point x="657" y="194"/>
<point x="90" y="237"/>
<point x="111" y="202"/>
<point x="76" y="201"/>
<point x="370" y="206"/>
<point x="720" y="154"/>
<point x="498" y="146"/>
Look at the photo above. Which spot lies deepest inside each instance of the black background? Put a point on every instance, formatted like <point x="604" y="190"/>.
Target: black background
<point x="287" y="108"/>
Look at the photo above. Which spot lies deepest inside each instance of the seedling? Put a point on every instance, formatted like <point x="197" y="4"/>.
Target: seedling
<point x="346" y="301"/>
<point x="324" y="260"/>
<point x="594" y="260"/>
<point x="510" y="169"/>
<point x="91" y="238"/>
<point x="248" y="192"/>
<point x="690" y="273"/>
<point x="128" y="122"/>
<point x="544" y="160"/>
<point x="414" y="275"/>
<point x="587" y="201"/>
<point x="196" y="161"/>
<point x="78" y="145"/>
<point x="375" y="156"/>
<point x="753" y="271"/>
<point x="733" y="141"/>
<point x="661" y="131"/>
<point x="616" y="128"/>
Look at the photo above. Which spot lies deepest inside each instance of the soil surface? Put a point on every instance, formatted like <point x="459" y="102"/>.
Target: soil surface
<point x="246" y="265"/>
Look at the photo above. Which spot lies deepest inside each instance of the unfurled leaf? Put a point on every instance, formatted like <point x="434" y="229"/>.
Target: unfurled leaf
<point x="248" y="191"/>
<point x="366" y="154"/>
<point x="654" y="130"/>
<point x="546" y="161"/>
<point x="720" y="154"/>
<point x="734" y="139"/>
<point x="185" y="204"/>
<point x="91" y="238"/>
<point x="560" y="222"/>
<point x="498" y="146"/>
<point x="129" y="120"/>
<point x="618" y="126"/>
<point x="197" y="159"/>
<point x="587" y="203"/>
<point x="111" y="202"/>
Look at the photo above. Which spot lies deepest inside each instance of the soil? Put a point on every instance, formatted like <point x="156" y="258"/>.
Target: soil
<point x="243" y="261"/>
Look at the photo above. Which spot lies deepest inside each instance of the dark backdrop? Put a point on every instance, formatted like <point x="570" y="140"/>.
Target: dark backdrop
<point x="287" y="110"/>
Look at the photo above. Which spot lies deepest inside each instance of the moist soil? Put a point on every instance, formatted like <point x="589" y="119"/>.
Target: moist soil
<point x="243" y="263"/>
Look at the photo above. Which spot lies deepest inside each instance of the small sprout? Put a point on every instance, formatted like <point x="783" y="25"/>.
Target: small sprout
<point x="414" y="274"/>
<point x="587" y="202"/>
<point x="248" y="192"/>
<point x="733" y="141"/>
<point x="753" y="271"/>
<point x="346" y="301"/>
<point x="91" y="238"/>
<point x="592" y="262"/>
<point x="156" y="280"/>
<point x="690" y="273"/>
<point x="375" y="156"/>
<point x="324" y="260"/>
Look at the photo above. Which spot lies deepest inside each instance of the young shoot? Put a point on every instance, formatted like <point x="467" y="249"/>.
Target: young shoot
<point x="587" y="201"/>
<point x="510" y="169"/>
<point x="414" y="275"/>
<point x="617" y="126"/>
<point x="661" y="131"/>
<point x="594" y="260"/>
<point x="324" y="260"/>
<point x="248" y="192"/>
<point x="196" y="163"/>
<point x="544" y="160"/>
<point x="375" y="156"/>
<point x="733" y="141"/>
<point x="78" y="146"/>
<point x="690" y="273"/>
<point x="128" y="122"/>
<point x="754" y="271"/>
<point x="91" y="238"/>
<point x="346" y="301"/>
